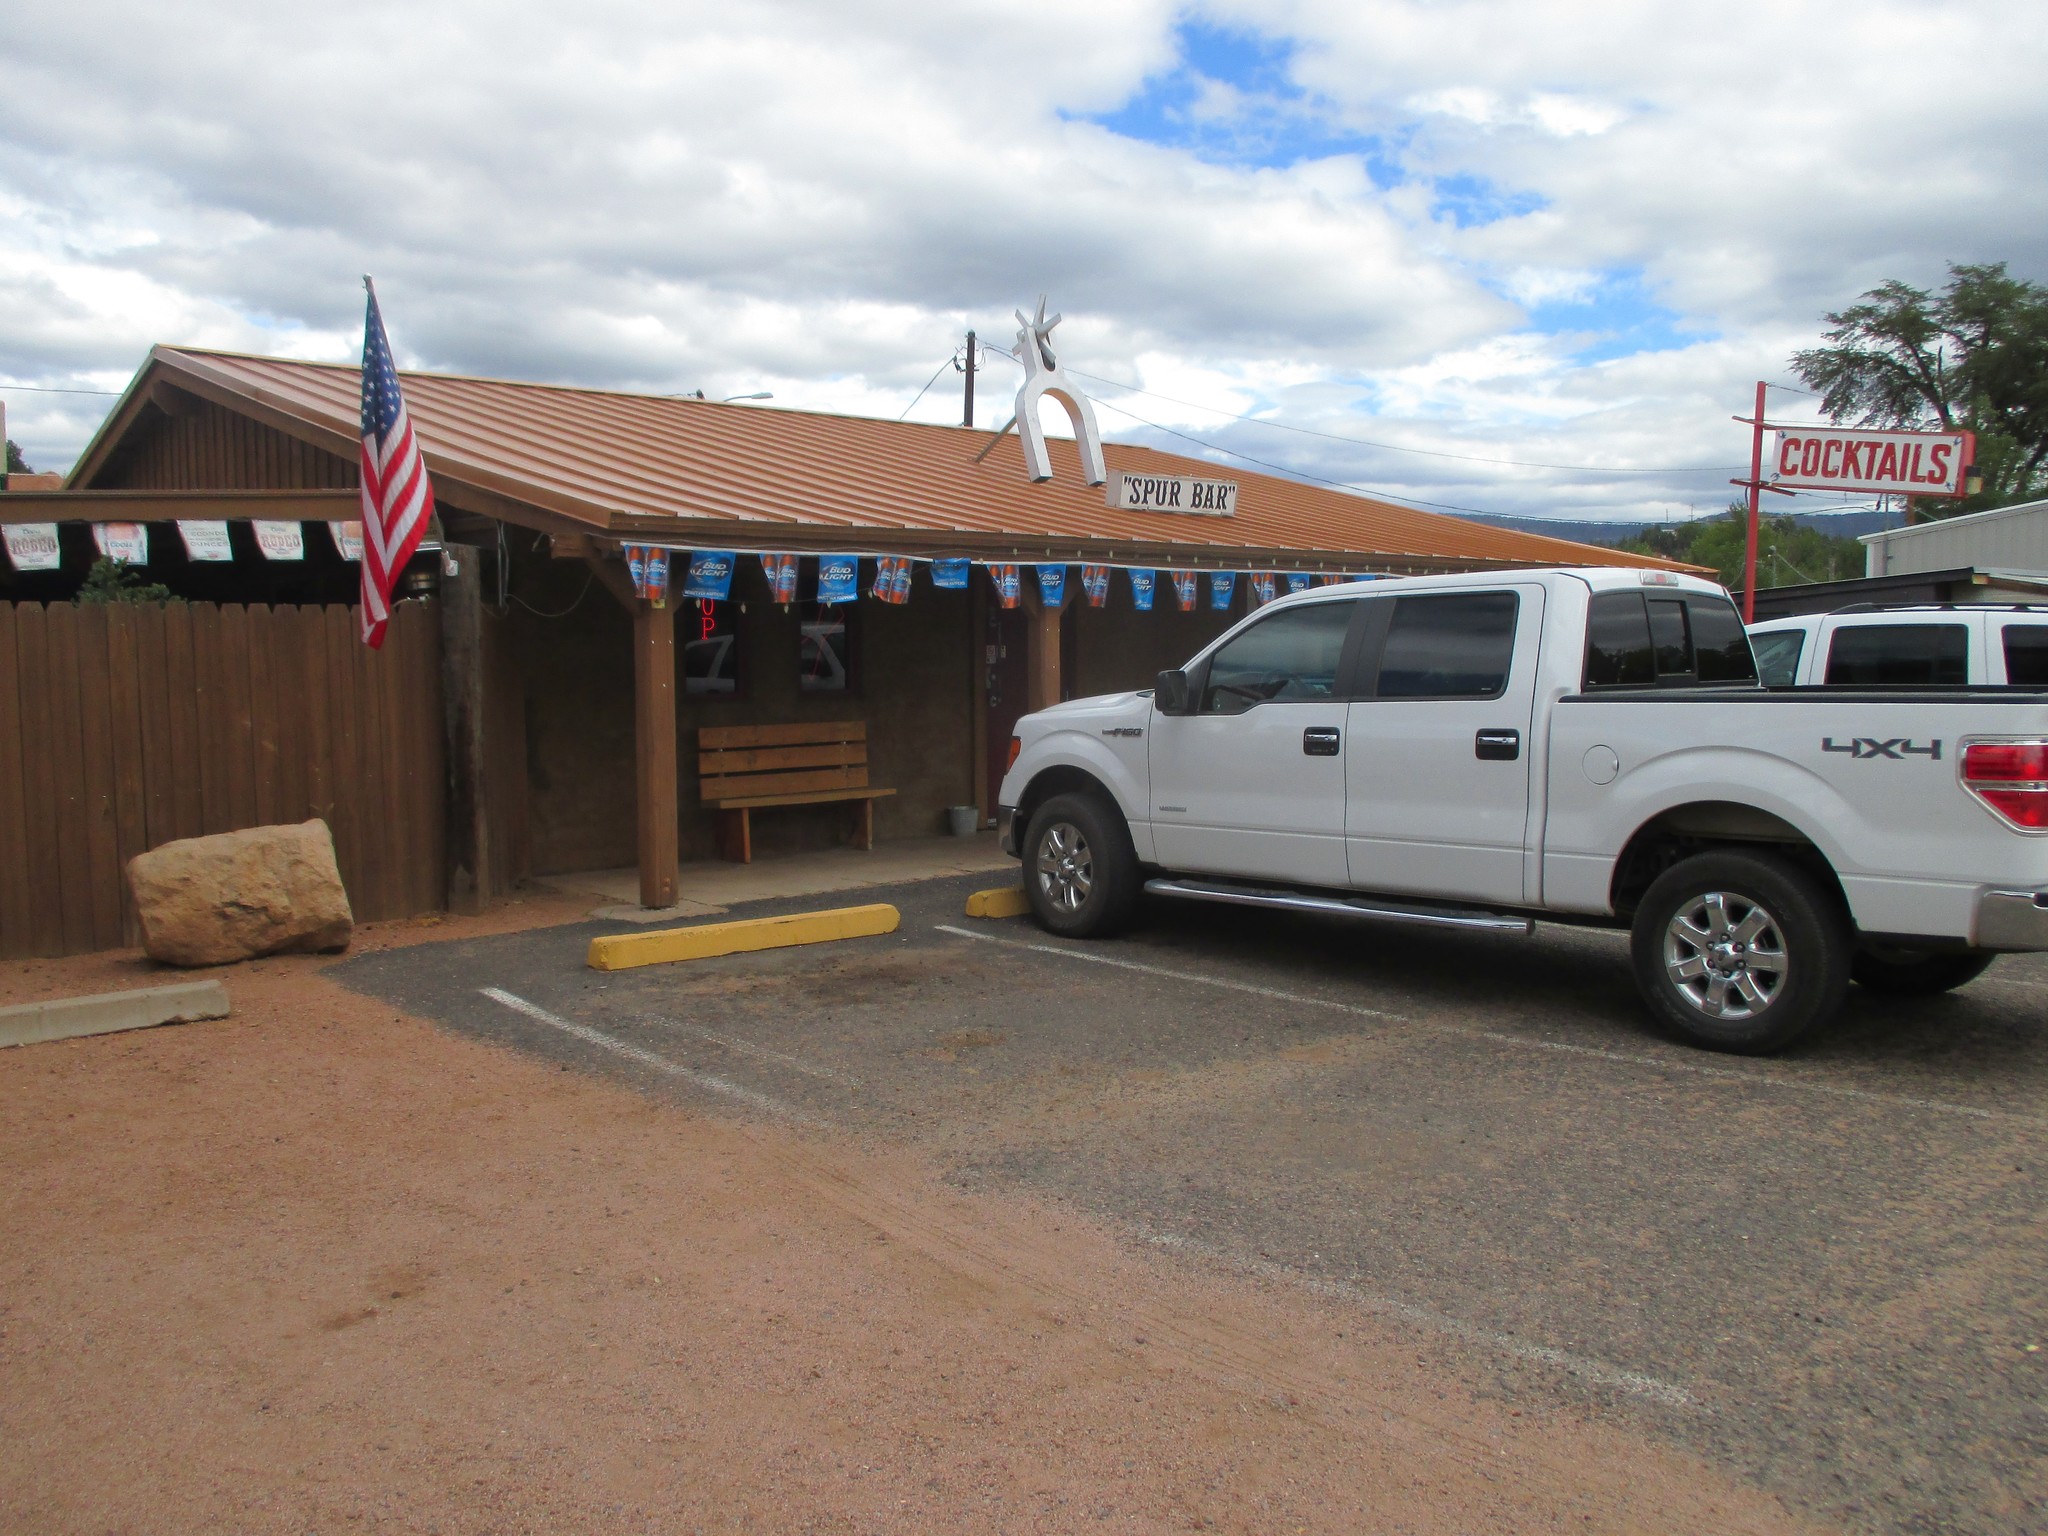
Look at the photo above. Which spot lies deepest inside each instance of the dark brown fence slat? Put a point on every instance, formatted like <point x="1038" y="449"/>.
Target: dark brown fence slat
<point x="67" y="755"/>
<point x="186" y="767"/>
<point x="96" y="761"/>
<point x="373" y="793"/>
<point x="17" y="937"/>
<point x="39" y="777"/>
<point x="343" y="772"/>
<point x="209" y="690"/>
<point x="420" y="676"/>
<point x="128" y="625"/>
<point x="240" y="748"/>
<point x="317" y="738"/>
<point x="159" y="764"/>
<point x="263" y="726"/>
<point x="288" y="711"/>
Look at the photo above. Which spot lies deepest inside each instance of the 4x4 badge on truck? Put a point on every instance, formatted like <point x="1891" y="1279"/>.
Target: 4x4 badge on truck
<point x="1898" y="748"/>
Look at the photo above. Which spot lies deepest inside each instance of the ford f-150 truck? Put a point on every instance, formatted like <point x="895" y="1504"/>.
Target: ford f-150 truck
<point x="1586" y="746"/>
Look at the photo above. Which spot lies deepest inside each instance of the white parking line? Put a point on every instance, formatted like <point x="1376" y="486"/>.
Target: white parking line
<point x="1660" y="1063"/>
<point x="1635" y="1383"/>
<point x="758" y="1052"/>
<point x="704" y="1080"/>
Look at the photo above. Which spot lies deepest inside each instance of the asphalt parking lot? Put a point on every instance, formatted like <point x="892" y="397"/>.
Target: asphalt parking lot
<point x="1822" y="1271"/>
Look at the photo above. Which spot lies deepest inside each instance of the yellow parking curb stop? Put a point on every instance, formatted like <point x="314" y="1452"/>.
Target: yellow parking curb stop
<point x="1007" y="902"/>
<point x="623" y="951"/>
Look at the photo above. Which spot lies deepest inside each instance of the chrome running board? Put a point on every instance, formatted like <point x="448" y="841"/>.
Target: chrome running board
<point x="1338" y="906"/>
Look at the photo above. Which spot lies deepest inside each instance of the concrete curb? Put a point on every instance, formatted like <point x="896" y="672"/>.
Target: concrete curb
<point x="106" y="1013"/>
<point x="1009" y="901"/>
<point x="623" y="951"/>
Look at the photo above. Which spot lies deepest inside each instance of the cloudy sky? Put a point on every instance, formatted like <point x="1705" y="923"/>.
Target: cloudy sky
<point x="1474" y="253"/>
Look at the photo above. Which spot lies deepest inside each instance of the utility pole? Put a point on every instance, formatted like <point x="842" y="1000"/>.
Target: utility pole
<point x="967" y="406"/>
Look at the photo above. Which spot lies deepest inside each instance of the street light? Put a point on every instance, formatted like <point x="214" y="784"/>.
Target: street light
<point x="763" y="394"/>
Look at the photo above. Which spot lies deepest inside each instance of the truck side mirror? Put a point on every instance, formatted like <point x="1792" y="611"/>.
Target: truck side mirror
<point x="1170" y="693"/>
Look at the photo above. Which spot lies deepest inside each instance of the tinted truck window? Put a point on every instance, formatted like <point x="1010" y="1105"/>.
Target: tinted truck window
<point x="1287" y="658"/>
<point x="1454" y="646"/>
<point x="1900" y="655"/>
<point x="1720" y="645"/>
<point x="1618" y="651"/>
<point x="2026" y="655"/>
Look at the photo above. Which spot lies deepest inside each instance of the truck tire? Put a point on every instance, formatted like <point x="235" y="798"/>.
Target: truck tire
<point x="1080" y="871"/>
<point x="1897" y="971"/>
<point x="1740" y="952"/>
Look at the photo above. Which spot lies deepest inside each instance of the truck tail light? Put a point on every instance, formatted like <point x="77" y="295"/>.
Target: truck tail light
<point x="1016" y="746"/>
<point x="2012" y="778"/>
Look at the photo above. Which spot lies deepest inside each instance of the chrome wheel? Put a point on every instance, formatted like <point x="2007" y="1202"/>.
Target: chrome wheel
<point x="1725" y="955"/>
<point x="1066" y="869"/>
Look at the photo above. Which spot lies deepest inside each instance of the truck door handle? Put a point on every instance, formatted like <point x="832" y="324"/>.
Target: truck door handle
<point x="1497" y="746"/>
<point x="1320" y="741"/>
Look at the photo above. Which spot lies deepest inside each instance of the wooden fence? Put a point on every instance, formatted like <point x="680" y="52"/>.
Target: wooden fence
<point x="130" y="725"/>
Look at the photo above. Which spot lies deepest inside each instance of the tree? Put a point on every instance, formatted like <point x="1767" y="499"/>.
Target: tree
<point x="1786" y="551"/>
<point x="113" y="581"/>
<point x="16" y="464"/>
<point x="1974" y="356"/>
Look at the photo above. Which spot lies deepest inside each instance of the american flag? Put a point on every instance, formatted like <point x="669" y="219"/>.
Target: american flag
<point x="398" y="501"/>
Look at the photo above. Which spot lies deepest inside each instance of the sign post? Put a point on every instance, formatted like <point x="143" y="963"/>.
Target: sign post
<point x="1848" y="461"/>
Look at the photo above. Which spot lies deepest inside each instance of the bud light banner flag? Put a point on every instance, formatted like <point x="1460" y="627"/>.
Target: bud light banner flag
<point x="1297" y="581"/>
<point x="838" y="578"/>
<point x="1095" y="582"/>
<point x="1264" y="586"/>
<point x="951" y="575"/>
<point x="1222" y="588"/>
<point x="1009" y="584"/>
<point x="1052" y="584"/>
<point x="892" y="579"/>
<point x="1143" y="584"/>
<point x="781" y="573"/>
<point x="1184" y="589"/>
<point x="649" y="569"/>
<point x="710" y="574"/>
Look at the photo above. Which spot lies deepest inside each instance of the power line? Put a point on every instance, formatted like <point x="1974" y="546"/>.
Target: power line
<point x="1432" y="453"/>
<point x="1297" y="474"/>
<point x="928" y="383"/>
<point x="46" y="389"/>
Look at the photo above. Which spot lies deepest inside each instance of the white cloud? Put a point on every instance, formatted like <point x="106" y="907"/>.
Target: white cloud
<point x="819" y="198"/>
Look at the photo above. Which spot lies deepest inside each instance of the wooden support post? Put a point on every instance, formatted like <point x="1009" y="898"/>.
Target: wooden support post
<point x="1044" y="690"/>
<point x="654" y="736"/>
<point x="469" y="877"/>
<point x="978" y="669"/>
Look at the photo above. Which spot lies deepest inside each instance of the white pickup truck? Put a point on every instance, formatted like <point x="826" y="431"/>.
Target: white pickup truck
<point x="1584" y="746"/>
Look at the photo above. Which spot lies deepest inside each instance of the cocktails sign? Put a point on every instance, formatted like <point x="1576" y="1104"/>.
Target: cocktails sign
<point x="1881" y="463"/>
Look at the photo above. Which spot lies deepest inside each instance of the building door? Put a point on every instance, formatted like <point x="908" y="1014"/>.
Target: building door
<point x="1006" y="684"/>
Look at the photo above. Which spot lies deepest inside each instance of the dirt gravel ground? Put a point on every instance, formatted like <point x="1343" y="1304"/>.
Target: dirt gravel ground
<point x="324" y="1266"/>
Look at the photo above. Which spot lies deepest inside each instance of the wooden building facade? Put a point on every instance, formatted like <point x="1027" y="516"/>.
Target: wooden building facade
<point x="567" y="704"/>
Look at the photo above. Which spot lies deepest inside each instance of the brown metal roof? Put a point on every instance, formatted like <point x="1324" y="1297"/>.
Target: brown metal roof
<point x="654" y="467"/>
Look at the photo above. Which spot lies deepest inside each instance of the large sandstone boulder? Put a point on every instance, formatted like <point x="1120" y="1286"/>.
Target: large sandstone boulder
<point x="209" y="900"/>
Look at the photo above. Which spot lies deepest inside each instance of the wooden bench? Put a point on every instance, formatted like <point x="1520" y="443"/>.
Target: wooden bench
<point x="745" y="768"/>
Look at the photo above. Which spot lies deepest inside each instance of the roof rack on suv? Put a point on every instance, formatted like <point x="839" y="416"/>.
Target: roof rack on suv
<point x="1868" y="607"/>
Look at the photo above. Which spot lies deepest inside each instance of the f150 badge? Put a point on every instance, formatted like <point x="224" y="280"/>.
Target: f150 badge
<point x="1898" y="748"/>
<point x="1124" y="730"/>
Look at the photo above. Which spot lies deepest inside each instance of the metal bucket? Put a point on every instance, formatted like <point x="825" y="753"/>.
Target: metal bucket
<point x="963" y="820"/>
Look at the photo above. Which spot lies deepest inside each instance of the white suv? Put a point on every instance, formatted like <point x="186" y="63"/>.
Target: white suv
<point x="1936" y="645"/>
